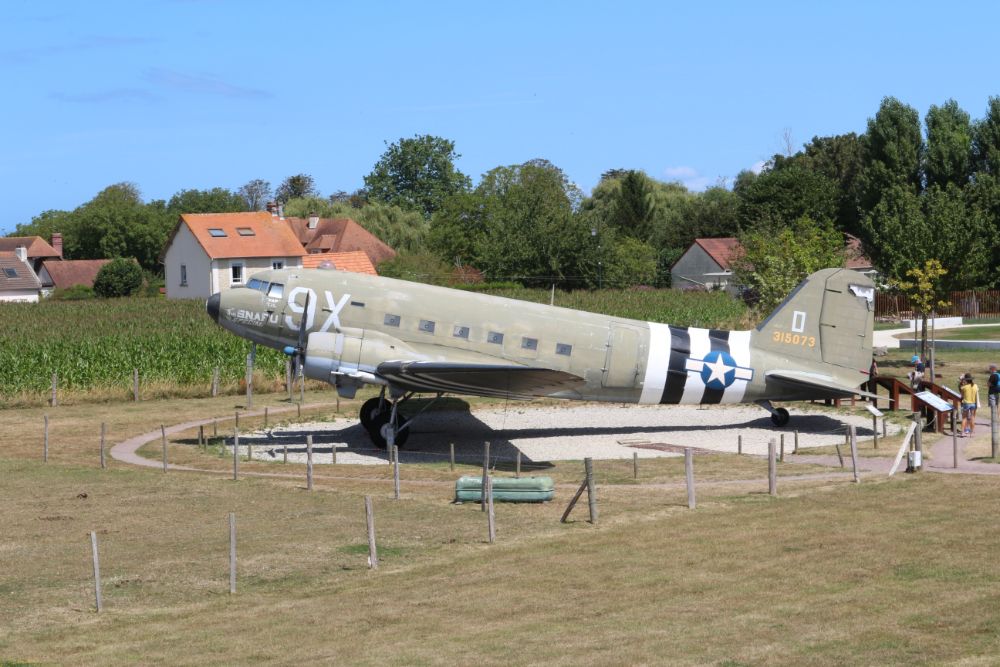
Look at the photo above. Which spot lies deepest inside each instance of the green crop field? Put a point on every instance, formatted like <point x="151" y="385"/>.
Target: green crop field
<point x="94" y="345"/>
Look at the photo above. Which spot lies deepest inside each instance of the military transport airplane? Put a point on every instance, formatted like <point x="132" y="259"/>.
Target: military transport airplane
<point x="351" y="329"/>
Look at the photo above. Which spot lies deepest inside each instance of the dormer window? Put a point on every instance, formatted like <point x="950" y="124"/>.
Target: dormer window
<point x="244" y="231"/>
<point x="216" y="232"/>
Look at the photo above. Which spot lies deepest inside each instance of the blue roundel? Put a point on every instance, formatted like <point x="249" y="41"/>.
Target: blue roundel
<point x="719" y="370"/>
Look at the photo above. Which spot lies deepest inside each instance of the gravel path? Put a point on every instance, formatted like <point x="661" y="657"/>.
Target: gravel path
<point x="551" y="433"/>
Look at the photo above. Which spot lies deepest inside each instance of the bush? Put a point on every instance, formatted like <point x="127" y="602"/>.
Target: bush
<point x="74" y="293"/>
<point x="119" y="277"/>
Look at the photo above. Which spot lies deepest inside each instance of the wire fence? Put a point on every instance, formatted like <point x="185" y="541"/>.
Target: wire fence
<point x="967" y="304"/>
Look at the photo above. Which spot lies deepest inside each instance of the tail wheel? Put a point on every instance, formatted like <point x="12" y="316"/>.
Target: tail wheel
<point x="780" y="416"/>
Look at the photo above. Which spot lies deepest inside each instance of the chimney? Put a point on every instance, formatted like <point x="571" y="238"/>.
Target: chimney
<point x="21" y="253"/>
<point x="313" y="220"/>
<point x="272" y="208"/>
<point x="281" y="211"/>
<point x="57" y="243"/>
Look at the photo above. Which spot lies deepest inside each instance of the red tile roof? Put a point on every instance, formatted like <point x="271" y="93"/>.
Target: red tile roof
<point x="23" y="278"/>
<point x="35" y="245"/>
<point x="270" y="237"/>
<point x="355" y="261"/>
<point x="723" y="250"/>
<point x="855" y="254"/>
<point x="340" y="235"/>
<point x="69" y="272"/>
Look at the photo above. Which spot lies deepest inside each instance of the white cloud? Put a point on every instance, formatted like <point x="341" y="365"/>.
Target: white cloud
<point x="688" y="177"/>
<point x="758" y="166"/>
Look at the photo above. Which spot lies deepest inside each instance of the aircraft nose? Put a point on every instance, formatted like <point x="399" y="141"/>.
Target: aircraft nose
<point x="212" y="306"/>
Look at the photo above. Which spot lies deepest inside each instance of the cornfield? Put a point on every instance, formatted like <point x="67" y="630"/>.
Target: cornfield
<point x="96" y="344"/>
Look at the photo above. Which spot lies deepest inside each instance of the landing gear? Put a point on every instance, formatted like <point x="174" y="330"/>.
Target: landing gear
<point x="381" y="418"/>
<point x="779" y="416"/>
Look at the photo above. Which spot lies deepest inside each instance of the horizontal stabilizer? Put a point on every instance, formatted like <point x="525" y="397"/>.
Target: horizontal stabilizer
<point x="815" y="385"/>
<point x="495" y="380"/>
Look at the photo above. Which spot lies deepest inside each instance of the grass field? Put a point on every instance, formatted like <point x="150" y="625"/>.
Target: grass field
<point x="828" y="573"/>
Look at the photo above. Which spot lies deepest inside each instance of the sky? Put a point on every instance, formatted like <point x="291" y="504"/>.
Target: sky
<point x="182" y="94"/>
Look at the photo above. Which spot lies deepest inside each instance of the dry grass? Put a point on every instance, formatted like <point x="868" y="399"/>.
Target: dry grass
<point x="900" y="571"/>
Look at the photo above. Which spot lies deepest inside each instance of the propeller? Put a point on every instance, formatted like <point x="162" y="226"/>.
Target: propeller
<point x="298" y="352"/>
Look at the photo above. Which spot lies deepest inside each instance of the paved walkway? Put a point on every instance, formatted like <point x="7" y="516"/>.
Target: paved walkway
<point x="887" y="337"/>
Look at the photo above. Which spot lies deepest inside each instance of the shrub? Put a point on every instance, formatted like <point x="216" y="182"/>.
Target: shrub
<point x="119" y="277"/>
<point x="74" y="293"/>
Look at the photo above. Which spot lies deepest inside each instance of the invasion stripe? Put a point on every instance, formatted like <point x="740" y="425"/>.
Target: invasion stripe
<point x="680" y="349"/>
<point x="700" y="346"/>
<point x="739" y="349"/>
<point x="720" y="343"/>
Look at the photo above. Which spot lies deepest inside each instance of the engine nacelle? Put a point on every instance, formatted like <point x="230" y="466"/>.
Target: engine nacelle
<point x="351" y="353"/>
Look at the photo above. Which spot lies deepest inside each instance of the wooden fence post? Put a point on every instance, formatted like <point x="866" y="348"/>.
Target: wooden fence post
<point x="236" y="454"/>
<point x="45" y="442"/>
<point x="739" y="444"/>
<point x="97" y="572"/>
<point x="781" y="457"/>
<point x="236" y="422"/>
<point x="288" y="378"/>
<point x="795" y="445"/>
<point x="994" y="430"/>
<point x="215" y="428"/>
<point x="486" y="474"/>
<point x="135" y="385"/>
<point x="163" y="439"/>
<point x="309" y="462"/>
<point x="265" y="416"/>
<point x="298" y="410"/>
<point x="103" y="432"/>
<point x="689" y="475"/>
<point x="249" y="381"/>
<point x="54" y="401"/>
<point x="875" y="431"/>
<point x="201" y="437"/>
<point x="451" y="455"/>
<point x="573" y="501"/>
<point x="635" y="465"/>
<point x="854" y="453"/>
<point x="370" y="521"/>
<point x="333" y="453"/>
<point x="588" y="466"/>
<point x="232" y="553"/>
<point x="284" y="453"/>
<point x="490" y="516"/>
<point x="954" y="441"/>
<point x="517" y="465"/>
<point x="215" y="382"/>
<point x="772" y="469"/>
<point x="395" y="471"/>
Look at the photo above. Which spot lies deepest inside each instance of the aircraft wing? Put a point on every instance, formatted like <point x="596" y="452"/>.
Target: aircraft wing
<point x="497" y="380"/>
<point x="815" y="385"/>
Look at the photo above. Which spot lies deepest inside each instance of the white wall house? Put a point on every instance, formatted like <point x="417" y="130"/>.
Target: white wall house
<point x="211" y="252"/>
<point x="18" y="282"/>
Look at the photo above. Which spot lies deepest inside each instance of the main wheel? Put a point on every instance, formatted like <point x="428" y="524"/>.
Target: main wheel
<point x="779" y="416"/>
<point x="369" y="409"/>
<point x="379" y="431"/>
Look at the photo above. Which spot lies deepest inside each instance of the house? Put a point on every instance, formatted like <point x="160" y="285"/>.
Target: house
<point x="322" y="235"/>
<point x="706" y="264"/>
<point x="35" y="247"/>
<point x="355" y="261"/>
<point x="210" y="252"/>
<point x="18" y="281"/>
<point x="65" y="273"/>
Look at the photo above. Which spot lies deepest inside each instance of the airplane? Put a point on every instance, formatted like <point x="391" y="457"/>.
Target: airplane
<point x="351" y="330"/>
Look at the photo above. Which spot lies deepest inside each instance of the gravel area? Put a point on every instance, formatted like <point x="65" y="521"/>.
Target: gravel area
<point x="552" y="433"/>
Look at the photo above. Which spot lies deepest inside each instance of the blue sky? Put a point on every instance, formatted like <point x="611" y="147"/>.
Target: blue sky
<point x="202" y="93"/>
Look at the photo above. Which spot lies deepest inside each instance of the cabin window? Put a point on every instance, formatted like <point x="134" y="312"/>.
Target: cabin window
<point x="494" y="337"/>
<point x="275" y="290"/>
<point x="236" y="273"/>
<point x="216" y="232"/>
<point x="253" y="283"/>
<point x="359" y="304"/>
<point x="461" y="332"/>
<point x="529" y="343"/>
<point x="391" y="320"/>
<point x="427" y="326"/>
<point x="245" y="231"/>
<point x="184" y="275"/>
<point x="564" y="349"/>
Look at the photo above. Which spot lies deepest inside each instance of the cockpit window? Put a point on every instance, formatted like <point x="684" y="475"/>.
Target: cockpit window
<point x="260" y="285"/>
<point x="275" y="290"/>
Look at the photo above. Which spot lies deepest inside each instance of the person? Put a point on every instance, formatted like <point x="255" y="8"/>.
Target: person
<point x="993" y="389"/>
<point x="970" y="403"/>
<point x="917" y="374"/>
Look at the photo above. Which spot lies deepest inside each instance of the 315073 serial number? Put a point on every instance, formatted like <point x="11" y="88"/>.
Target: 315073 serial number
<point x="789" y="338"/>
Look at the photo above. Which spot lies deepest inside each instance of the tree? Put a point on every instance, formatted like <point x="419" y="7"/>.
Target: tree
<point x="893" y="148"/>
<point x="782" y="196"/>
<point x="297" y="186"/>
<point x="119" y="277"/>
<point x="949" y="146"/>
<point x="417" y="174"/>
<point x="255" y="194"/>
<point x="777" y="257"/>
<point x="924" y="288"/>
<point x="399" y="229"/>
<point x="635" y="206"/>
<point x="216" y="200"/>
<point x="986" y="140"/>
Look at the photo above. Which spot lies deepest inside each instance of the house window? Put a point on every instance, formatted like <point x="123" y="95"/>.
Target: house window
<point x="277" y="264"/>
<point x="184" y="275"/>
<point x="236" y="273"/>
<point x="245" y="231"/>
<point x="216" y="232"/>
<point x="10" y="273"/>
<point x="494" y="337"/>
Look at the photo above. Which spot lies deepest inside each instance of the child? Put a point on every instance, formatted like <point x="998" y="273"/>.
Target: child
<point x="970" y="403"/>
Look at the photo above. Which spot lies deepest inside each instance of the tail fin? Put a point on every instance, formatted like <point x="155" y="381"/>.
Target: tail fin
<point x="827" y="319"/>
